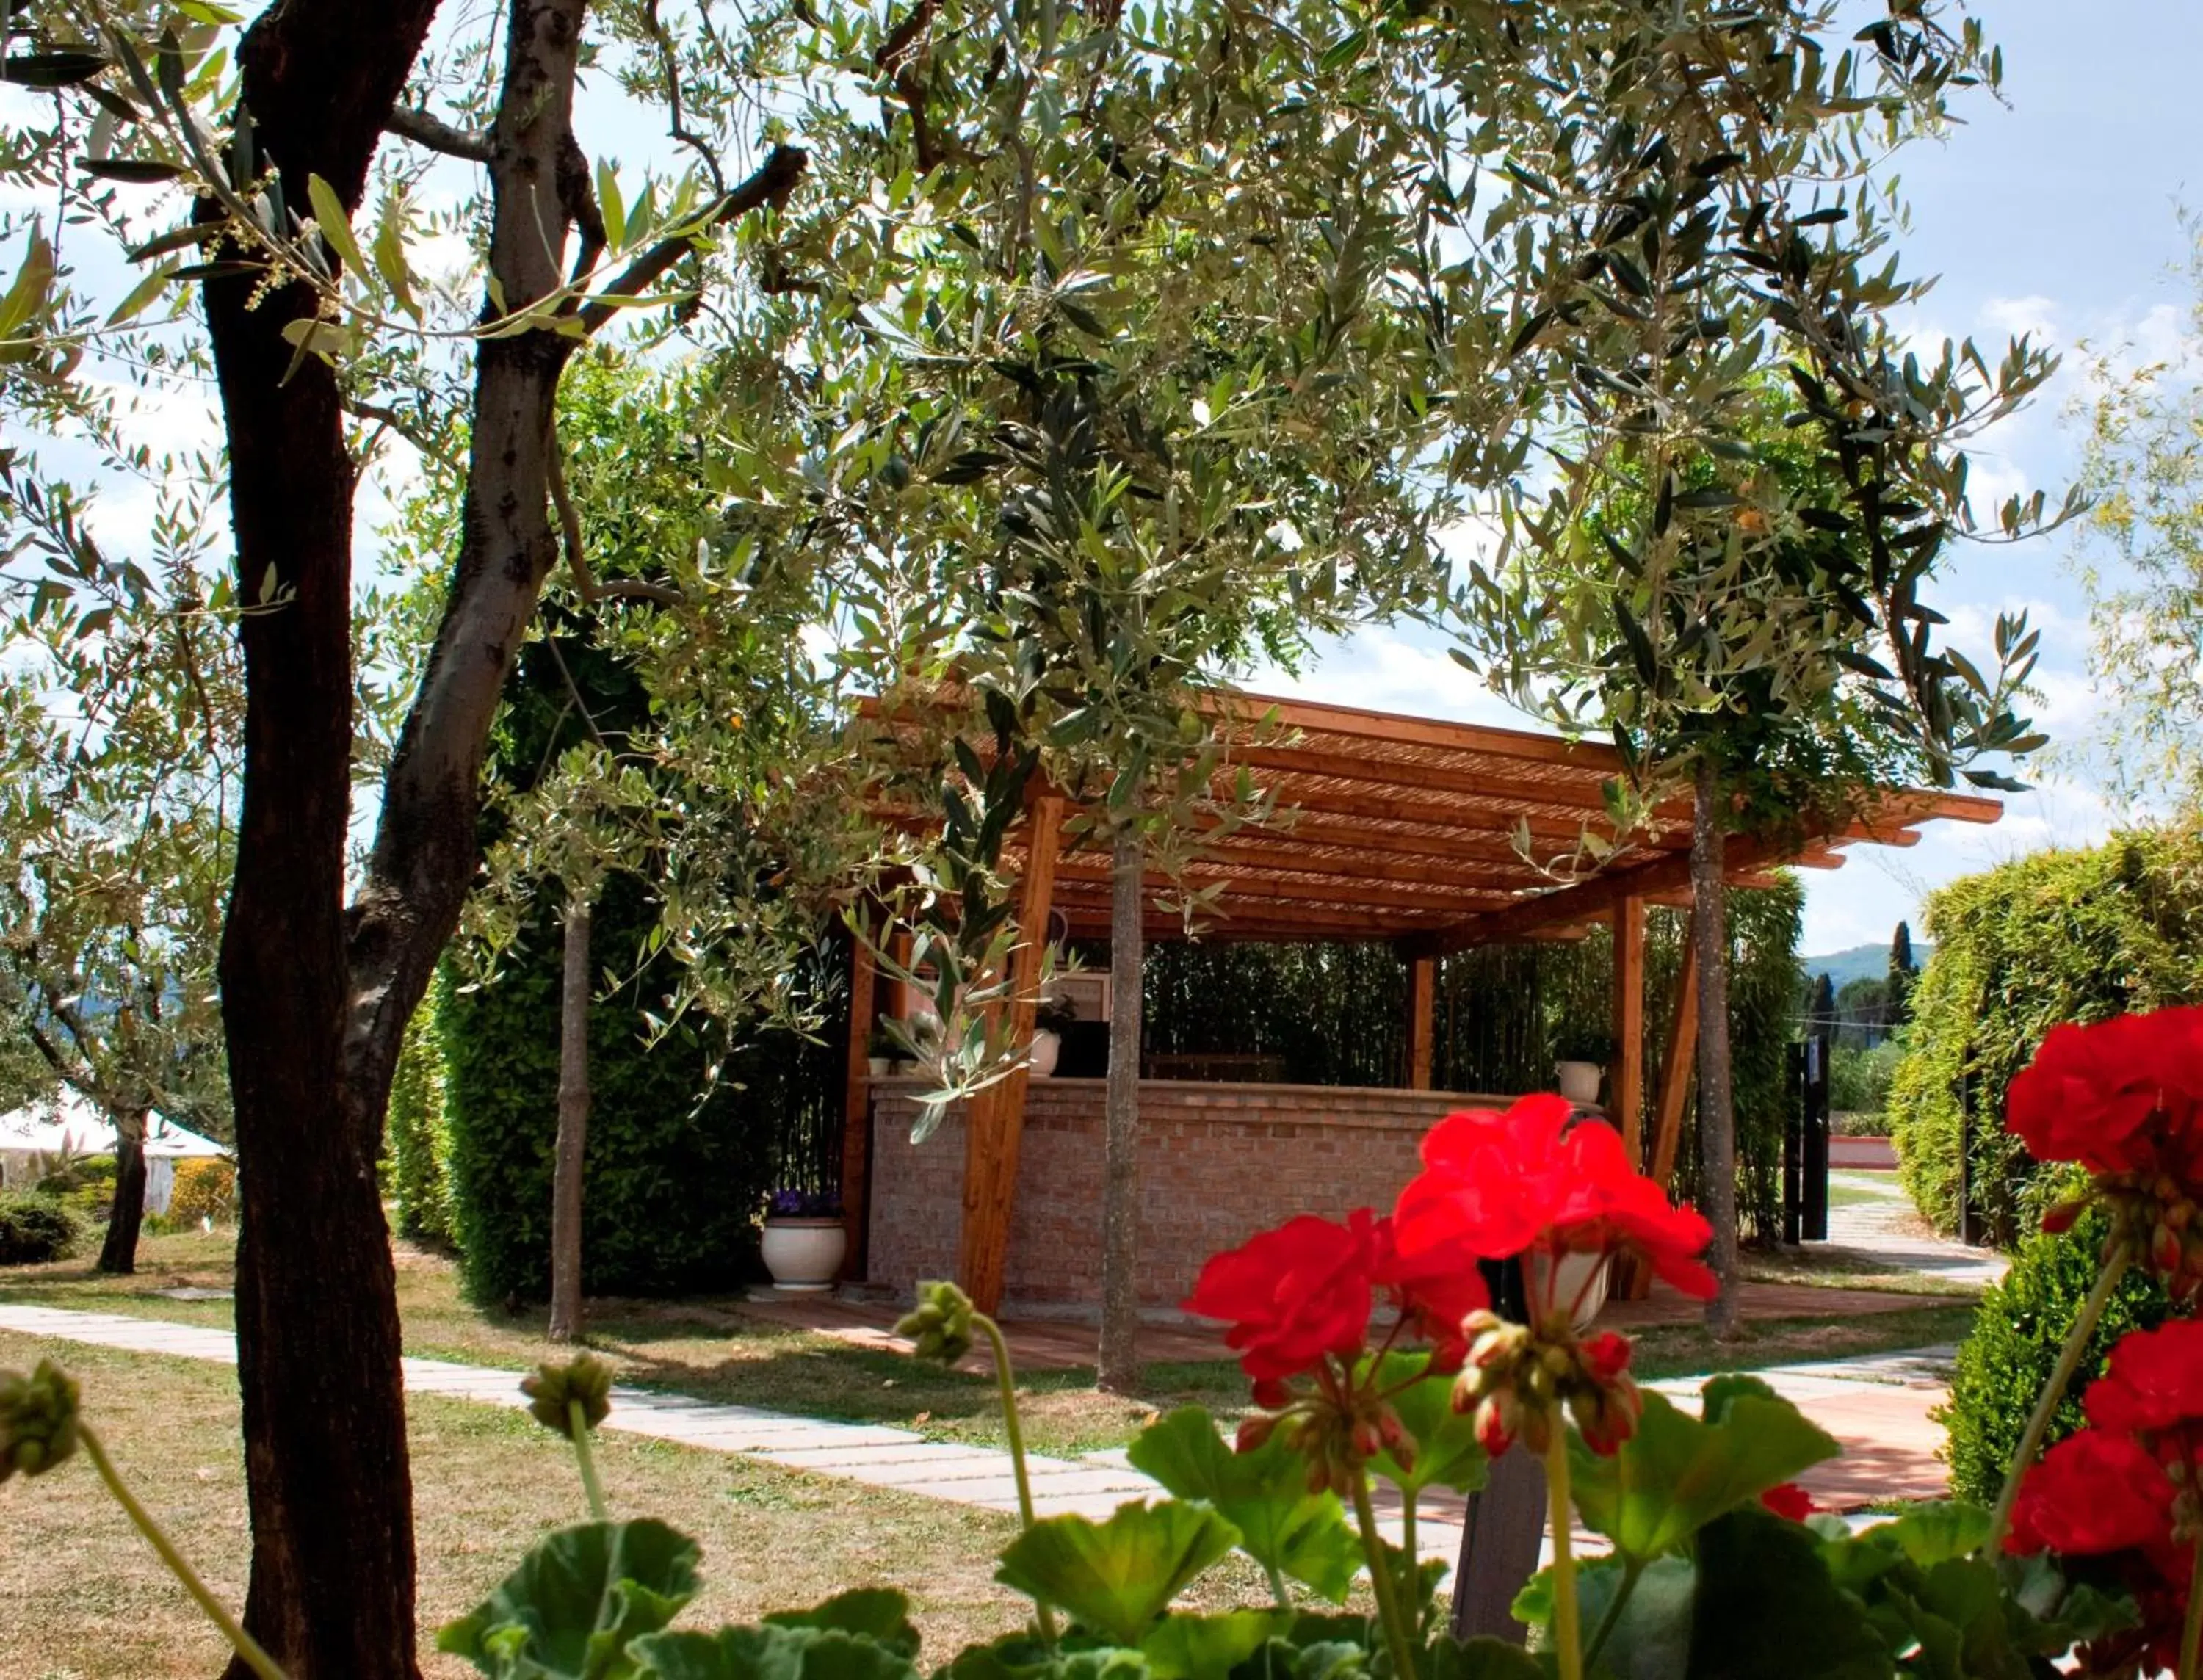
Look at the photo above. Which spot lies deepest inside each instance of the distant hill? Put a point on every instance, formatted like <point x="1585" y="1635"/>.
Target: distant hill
<point x="1861" y="962"/>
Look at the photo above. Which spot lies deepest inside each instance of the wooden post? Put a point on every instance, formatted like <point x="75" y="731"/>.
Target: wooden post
<point x="1675" y="1069"/>
<point x="1627" y="1105"/>
<point x="1422" y="1009"/>
<point x="857" y="1109"/>
<point x="994" y="1124"/>
<point x="1674" y="1087"/>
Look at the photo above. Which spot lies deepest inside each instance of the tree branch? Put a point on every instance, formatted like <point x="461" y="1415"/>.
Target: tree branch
<point x="569" y="526"/>
<point x="425" y="128"/>
<point x="773" y="181"/>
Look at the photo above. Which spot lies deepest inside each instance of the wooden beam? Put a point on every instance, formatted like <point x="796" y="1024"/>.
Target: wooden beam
<point x="1626" y="1095"/>
<point x="857" y="1111"/>
<point x="1318" y="717"/>
<point x="1674" y="1087"/>
<point x="995" y="1120"/>
<point x="1422" y="1015"/>
<point x="1245" y="885"/>
<point x="1517" y="788"/>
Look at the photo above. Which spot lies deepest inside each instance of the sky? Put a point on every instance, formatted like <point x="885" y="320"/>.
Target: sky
<point x="2056" y="213"/>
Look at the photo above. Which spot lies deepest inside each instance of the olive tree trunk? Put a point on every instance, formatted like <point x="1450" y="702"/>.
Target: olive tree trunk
<point x="1716" y="1094"/>
<point x="1118" y="1363"/>
<point x="572" y="1127"/>
<point x="118" y="1254"/>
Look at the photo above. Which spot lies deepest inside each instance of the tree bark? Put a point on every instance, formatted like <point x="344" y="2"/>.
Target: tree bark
<point x="1118" y="1364"/>
<point x="566" y="1311"/>
<point x="328" y="1479"/>
<point x="1716" y="1098"/>
<point x="118" y="1254"/>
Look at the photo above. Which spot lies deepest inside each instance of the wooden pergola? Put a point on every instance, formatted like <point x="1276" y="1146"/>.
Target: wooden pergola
<point x="1407" y="830"/>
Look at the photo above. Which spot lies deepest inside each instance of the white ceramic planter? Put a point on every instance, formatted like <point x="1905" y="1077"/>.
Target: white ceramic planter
<point x="1578" y="1080"/>
<point x="804" y="1254"/>
<point x="879" y="1066"/>
<point x="1579" y="1274"/>
<point x="1047" y="1046"/>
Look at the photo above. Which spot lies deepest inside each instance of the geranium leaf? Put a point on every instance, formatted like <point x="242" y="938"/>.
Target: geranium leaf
<point x="877" y="1612"/>
<point x="1678" y="1473"/>
<point x="578" y="1598"/>
<point x="774" y="1652"/>
<point x="1447" y="1453"/>
<point x="1481" y="1659"/>
<point x="1651" y="1640"/>
<point x="1765" y="1605"/>
<point x="1117" y="1577"/>
<point x="1263" y="1494"/>
<point x="1207" y="1648"/>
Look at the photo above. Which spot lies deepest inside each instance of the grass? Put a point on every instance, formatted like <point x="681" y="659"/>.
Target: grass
<point x="1847" y="1195"/>
<point x="709" y="1349"/>
<point x="87" y="1601"/>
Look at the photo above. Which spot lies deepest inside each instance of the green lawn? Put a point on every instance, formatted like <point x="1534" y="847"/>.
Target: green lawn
<point x="87" y="1600"/>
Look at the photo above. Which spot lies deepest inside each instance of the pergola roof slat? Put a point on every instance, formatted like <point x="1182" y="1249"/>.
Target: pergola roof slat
<point x="1406" y="828"/>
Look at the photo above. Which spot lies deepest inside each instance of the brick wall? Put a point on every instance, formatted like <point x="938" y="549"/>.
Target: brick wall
<point x="1218" y="1163"/>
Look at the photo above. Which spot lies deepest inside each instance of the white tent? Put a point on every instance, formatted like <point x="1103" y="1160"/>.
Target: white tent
<point x="38" y="1138"/>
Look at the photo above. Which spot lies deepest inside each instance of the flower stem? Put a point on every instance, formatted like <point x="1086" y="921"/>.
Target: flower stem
<point x="578" y="1432"/>
<point x="2191" y="1633"/>
<point x="240" y="1642"/>
<point x="1408" y="1545"/>
<point x="1005" y="1382"/>
<point x="1632" y="1568"/>
<point x="1568" y="1632"/>
<point x="2046" y="1405"/>
<point x="1381" y="1581"/>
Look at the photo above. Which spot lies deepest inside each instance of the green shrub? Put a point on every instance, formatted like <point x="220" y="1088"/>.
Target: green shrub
<point x="1859" y="1079"/>
<point x="80" y="1172"/>
<point x="35" y="1228"/>
<point x="419" y="1141"/>
<point x="2007" y="1360"/>
<point x="204" y="1189"/>
<point x="682" y="1148"/>
<point x="2055" y="936"/>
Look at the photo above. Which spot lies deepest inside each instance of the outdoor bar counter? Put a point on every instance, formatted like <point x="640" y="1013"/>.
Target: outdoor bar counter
<point x="1218" y="1163"/>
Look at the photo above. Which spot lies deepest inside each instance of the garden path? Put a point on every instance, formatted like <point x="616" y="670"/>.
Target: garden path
<point x="1878" y="1223"/>
<point x="1877" y="1406"/>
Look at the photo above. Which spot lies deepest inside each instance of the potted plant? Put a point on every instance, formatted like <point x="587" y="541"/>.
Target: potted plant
<point x="1055" y="1018"/>
<point x="881" y="1051"/>
<point x="1581" y="1055"/>
<point x="803" y="1240"/>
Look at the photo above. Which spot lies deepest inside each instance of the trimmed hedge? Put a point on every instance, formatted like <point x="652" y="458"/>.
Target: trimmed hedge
<point x="419" y="1140"/>
<point x="683" y="1149"/>
<point x="35" y="1228"/>
<point x="2007" y="1358"/>
<point x="2056" y="936"/>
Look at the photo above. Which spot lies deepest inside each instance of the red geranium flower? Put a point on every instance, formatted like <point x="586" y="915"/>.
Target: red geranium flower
<point x="1787" y="1499"/>
<point x="1294" y="1294"/>
<point x="2155" y="1380"/>
<point x="1433" y="1294"/>
<point x="2092" y="1092"/>
<point x="1495" y="1184"/>
<point x="2094" y="1492"/>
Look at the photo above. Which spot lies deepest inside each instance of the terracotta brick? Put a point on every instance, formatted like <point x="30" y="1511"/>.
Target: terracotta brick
<point x="1217" y="1163"/>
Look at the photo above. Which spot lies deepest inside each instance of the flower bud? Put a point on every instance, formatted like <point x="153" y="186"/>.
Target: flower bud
<point x="552" y="1389"/>
<point x="940" y="1323"/>
<point x="37" y="1419"/>
<point x="1271" y="1395"/>
<point x="1254" y="1432"/>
